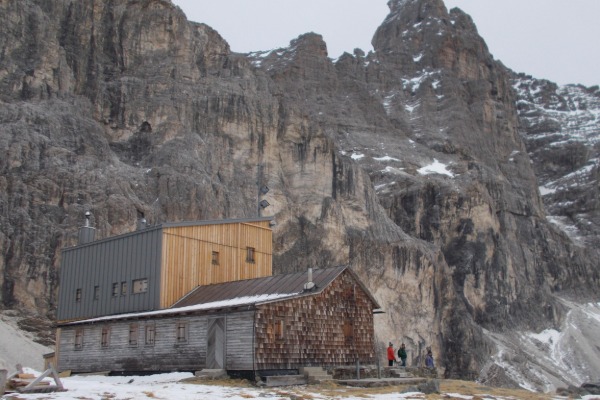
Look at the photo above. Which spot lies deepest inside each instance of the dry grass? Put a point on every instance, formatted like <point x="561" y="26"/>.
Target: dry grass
<point x="239" y="383"/>
<point x="477" y="390"/>
<point x="332" y="389"/>
<point x="465" y="388"/>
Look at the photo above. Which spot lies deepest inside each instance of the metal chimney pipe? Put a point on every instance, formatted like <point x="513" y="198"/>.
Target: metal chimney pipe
<point x="309" y="285"/>
<point x="87" y="233"/>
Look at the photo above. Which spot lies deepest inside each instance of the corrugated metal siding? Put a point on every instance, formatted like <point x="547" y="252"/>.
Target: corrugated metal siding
<point x="115" y="260"/>
<point x="167" y="354"/>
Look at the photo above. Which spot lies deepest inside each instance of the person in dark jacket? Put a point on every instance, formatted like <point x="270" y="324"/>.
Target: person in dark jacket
<point x="390" y="355"/>
<point x="429" y="360"/>
<point x="402" y="354"/>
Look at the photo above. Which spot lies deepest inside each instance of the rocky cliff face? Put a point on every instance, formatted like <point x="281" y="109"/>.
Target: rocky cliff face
<point x="406" y="163"/>
<point x="562" y="135"/>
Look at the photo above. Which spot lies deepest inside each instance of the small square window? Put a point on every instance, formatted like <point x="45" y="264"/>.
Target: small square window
<point x="115" y="289"/>
<point x="250" y="254"/>
<point x="96" y="292"/>
<point x="182" y="332"/>
<point x="215" y="258"/>
<point x="78" y="295"/>
<point x="123" y="288"/>
<point x="105" y="338"/>
<point x="133" y="334"/>
<point x="78" y="338"/>
<point x="139" y="286"/>
<point x="150" y="335"/>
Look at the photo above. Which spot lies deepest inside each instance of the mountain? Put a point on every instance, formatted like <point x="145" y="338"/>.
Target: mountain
<point x="417" y="164"/>
<point x="562" y="135"/>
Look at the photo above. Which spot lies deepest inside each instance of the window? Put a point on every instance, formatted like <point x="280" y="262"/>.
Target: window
<point x="250" y="254"/>
<point x="182" y="332"/>
<point x="115" y="289"/>
<point x="279" y="325"/>
<point x="348" y="329"/>
<point x="133" y="334"/>
<point x="96" y="292"/>
<point x="276" y="329"/>
<point x="215" y="258"/>
<point x="140" y="286"/>
<point x="78" y="338"/>
<point x="105" y="338"/>
<point x="150" y="333"/>
<point x="78" y="295"/>
<point x="123" y="288"/>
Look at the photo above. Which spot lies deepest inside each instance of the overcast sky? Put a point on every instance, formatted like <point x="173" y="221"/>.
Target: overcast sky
<point x="552" y="39"/>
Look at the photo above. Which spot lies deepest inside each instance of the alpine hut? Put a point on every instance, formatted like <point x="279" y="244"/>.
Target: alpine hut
<point x="259" y="325"/>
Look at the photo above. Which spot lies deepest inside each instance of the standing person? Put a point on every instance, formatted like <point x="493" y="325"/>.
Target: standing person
<point x="390" y="355"/>
<point x="429" y="360"/>
<point x="402" y="354"/>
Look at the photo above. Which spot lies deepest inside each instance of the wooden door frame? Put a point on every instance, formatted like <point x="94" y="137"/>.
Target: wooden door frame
<point x="214" y="335"/>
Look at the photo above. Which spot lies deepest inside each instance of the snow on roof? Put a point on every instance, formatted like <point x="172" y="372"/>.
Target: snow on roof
<point x="239" y="301"/>
<point x="240" y="293"/>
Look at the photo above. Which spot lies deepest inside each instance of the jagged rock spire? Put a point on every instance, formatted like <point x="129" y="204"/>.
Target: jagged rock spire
<point x="422" y="33"/>
<point x="404" y="16"/>
<point x="408" y="6"/>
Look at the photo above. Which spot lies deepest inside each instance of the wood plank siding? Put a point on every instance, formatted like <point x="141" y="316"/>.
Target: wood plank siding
<point x="188" y="259"/>
<point x="168" y="352"/>
<point x="334" y="327"/>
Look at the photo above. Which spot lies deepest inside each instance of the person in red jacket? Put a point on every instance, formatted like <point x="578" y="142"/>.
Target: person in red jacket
<point x="391" y="355"/>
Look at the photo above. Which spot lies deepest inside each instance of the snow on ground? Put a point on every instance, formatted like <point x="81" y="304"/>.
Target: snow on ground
<point x="17" y="347"/>
<point x="159" y="386"/>
<point x="385" y="158"/>
<point x="553" y="358"/>
<point x="414" y="83"/>
<point x="539" y="361"/>
<point x="435" y="168"/>
<point x="173" y="386"/>
<point x="169" y="386"/>
<point x="566" y="225"/>
<point x="544" y="190"/>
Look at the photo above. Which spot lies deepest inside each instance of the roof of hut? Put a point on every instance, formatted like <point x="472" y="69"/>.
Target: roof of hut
<point x="247" y="292"/>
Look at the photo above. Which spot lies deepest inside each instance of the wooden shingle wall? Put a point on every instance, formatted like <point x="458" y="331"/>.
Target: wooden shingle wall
<point x="332" y="328"/>
<point x="187" y="256"/>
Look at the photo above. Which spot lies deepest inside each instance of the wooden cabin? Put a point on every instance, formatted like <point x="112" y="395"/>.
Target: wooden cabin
<point x="194" y="295"/>
<point x="260" y="326"/>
